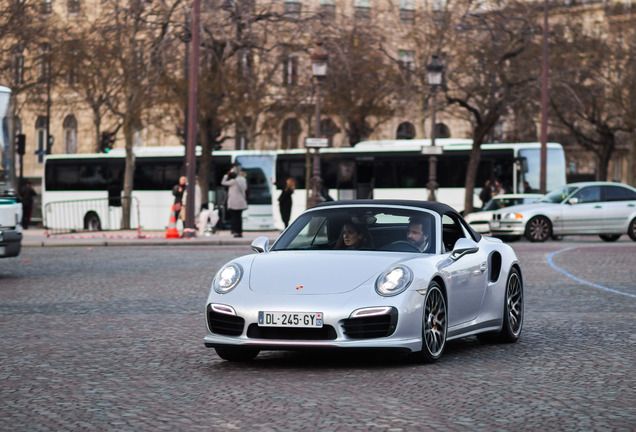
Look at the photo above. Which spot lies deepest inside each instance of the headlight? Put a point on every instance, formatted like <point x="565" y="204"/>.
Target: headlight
<point x="227" y="278"/>
<point x="513" y="216"/>
<point x="394" y="281"/>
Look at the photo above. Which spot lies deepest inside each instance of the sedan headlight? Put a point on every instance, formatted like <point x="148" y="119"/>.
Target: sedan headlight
<point x="227" y="278"/>
<point x="394" y="281"/>
<point x="513" y="216"/>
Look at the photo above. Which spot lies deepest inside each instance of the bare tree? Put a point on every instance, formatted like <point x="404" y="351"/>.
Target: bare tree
<point x="493" y="67"/>
<point x="593" y="89"/>
<point x="138" y="50"/>
<point x="362" y="83"/>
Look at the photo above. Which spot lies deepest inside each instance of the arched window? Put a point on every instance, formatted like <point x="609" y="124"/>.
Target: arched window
<point x="291" y="131"/>
<point x="70" y="134"/>
<point x="40" y="136"/>
<point x="442" y="131"/>
<point x="328" y="129"/>
<point x="405" y="130"/>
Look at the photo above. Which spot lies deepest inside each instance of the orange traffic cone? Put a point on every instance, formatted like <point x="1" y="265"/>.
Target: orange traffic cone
<point x="172" y="231"/>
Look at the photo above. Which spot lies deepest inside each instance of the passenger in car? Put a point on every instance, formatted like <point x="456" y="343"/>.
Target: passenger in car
<point x="354" y="236"/>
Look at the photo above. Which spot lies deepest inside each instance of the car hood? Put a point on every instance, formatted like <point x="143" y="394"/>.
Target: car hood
<point x="318" y="272"/>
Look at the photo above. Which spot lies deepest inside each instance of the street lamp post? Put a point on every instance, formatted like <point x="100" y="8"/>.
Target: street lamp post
<point x="319" y="70"/>
<point x="434" y="72"/>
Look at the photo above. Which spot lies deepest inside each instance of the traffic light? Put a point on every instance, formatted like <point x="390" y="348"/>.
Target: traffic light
<point x="20" y="144"/>
<point x="107" y="141"/>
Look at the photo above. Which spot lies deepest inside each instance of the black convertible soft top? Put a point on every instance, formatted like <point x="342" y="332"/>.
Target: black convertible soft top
<point x="436" y="207"/>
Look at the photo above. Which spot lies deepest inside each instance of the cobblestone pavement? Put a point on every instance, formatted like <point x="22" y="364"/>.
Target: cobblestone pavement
<point x="110" y="338"/>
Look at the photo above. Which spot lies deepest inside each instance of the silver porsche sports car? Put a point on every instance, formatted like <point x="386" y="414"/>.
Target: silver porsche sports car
<point x="372" y="274"/>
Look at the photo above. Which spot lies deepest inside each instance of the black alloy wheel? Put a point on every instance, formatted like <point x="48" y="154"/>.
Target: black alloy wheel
<point x="434" y="325"/>
<point x="632" y="229"/>
<point x="538" y="229"/>
<point x="512" y="313"/>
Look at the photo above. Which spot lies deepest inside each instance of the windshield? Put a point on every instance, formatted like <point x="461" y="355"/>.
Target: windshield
<point x="358" y="228"/>
<point x="557" y="196"/>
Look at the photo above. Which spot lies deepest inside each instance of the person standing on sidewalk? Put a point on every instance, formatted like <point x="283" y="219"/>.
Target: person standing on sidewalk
<point x="178" y="191"/>
<point x="285" y="200"/>
<point x="27" y="193"/>
<point x="236" y="199"/>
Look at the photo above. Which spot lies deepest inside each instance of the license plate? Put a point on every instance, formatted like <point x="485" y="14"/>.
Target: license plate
<point x="290" y="319"/>
<point x="494" y="224"/>
<point x="3" y="250"/>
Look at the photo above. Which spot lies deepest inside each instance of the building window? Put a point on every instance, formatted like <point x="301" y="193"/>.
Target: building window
<point x="45" y="7"/>
<point x="73" y="65"/>
<point x="41" y="125"/>
<point x="327" y="10"/>
<point x="290" y="69"/>
<point x="292" y="8"/>
<point x="407" y="11"/>
<point x="362" y="10"/>
<point x="73" y="7"/>
<point x="406" y="61"/>
<point x="290" y="134"/>
<point x="44" y="62"/>
<point x="244" y="64"/>
<point x="328" y="129"/>
<point x="439" y="5"/>
<point x="18" y="65"/>
<point x="70" y="134"/>
<point x="241" y="141"/>
<point x="405" y="130"/>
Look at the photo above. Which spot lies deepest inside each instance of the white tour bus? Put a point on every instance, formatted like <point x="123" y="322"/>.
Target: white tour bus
<point x="398" y="169"/>
<point x="84" y="191"/>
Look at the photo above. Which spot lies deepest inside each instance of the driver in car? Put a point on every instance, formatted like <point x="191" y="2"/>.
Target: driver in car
<point x="416" y="233"/>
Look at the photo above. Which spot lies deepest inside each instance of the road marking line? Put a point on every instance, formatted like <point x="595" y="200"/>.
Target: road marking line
<point x="570" y="275"/>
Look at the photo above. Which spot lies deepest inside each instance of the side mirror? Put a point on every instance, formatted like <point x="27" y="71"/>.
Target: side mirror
<point x="464" y="246"/>
<point x="260" y="244"/>
<point x="573" y="201"/>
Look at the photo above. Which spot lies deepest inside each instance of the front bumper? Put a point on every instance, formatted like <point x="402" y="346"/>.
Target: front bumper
<point x="10" y="243"/>
<point x="399" y="328"/>
<point x="507" y="228"/>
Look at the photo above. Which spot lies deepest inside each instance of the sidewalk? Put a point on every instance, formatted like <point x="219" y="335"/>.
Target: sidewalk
<point x="38" y="237"/>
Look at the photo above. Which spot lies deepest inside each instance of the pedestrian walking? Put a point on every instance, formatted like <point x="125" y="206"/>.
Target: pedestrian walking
<point x="236" y="199"/>
<point x="178" y="190"/>
<point x="285" y="200"/>
<point x="27" y="195"/>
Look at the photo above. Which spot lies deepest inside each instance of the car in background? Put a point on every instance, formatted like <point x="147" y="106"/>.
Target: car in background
<point x="480" y="220"/>
<point x="605" y="209"/>
<point x="421" y="278"/>
<point x="10" y="222"/>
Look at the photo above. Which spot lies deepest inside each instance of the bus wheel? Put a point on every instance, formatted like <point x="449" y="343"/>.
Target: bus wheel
<point x="92" y="222"/>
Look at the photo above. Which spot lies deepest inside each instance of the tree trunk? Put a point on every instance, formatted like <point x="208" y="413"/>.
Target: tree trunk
<point x="471" y="176"/>
<point x="129" y="170"/>
<point x="205" y="162"/>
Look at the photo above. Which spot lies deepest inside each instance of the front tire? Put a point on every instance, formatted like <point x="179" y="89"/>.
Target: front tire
<point x="609" y="237"/>
<point x="538" y="229"/>
<point x="236" y="354"/>
<point x="434" y="325"/>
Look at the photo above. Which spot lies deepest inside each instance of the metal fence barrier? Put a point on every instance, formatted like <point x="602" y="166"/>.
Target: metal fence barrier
<point x="89" y="215"/>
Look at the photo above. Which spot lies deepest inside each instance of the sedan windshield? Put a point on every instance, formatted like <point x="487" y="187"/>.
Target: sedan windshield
<point x="360" y="228"/>
<point x="557" y="196"/>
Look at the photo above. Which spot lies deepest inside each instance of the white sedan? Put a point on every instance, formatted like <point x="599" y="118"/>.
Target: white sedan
<point x="605" y="209"/>
<point x="480" y="220"/>
<point x="367" y="274"/>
